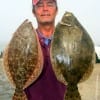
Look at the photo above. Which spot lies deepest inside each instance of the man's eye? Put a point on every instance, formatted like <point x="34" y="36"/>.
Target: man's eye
<point x="40" y="5"/>
<point x="50" y="4"/>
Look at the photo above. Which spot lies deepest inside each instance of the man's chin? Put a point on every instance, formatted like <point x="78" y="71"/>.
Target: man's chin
<point x="47" y="22"/>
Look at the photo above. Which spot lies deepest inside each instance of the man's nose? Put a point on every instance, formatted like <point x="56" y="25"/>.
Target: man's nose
<point x="45" y="7"/>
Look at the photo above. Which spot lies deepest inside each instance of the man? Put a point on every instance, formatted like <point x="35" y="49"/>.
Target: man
<point x="46" y="87"/>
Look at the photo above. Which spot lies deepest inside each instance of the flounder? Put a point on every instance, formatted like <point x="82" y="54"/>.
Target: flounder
<point x="23" y="59"/>
<point x="72" y="52"/>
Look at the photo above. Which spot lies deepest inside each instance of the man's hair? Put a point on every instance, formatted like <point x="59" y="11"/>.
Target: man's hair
<point x="33" y="6"/>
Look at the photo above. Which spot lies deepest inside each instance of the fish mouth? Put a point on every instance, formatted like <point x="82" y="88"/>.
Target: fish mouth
<point x="66" y="24"/>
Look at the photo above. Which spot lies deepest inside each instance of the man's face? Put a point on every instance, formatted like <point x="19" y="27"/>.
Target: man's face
<point x="45" y="11"/>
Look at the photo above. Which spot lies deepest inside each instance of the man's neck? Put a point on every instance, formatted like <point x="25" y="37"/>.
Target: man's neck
<point x="46" y="30"/>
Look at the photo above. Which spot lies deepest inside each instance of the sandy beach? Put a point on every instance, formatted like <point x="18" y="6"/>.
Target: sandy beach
<point x="89" y="89"/>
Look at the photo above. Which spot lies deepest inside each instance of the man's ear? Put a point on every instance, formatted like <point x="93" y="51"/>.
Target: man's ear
<point x="33" y="11"/>
<point x="56" y="10"/>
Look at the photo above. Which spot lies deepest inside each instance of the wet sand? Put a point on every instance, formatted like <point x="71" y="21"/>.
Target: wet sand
<point x="6" y="89"/>
<point x="89" y="89"/>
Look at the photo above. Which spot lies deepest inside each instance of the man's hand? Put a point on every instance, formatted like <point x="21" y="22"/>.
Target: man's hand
<point x="64" y="62"/>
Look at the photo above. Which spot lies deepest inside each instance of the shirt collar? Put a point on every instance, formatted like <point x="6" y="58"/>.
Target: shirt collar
<point x="46" y="40"/>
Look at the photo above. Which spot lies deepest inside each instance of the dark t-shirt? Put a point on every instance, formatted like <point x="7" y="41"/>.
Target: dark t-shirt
<point x="46" y="87"/>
